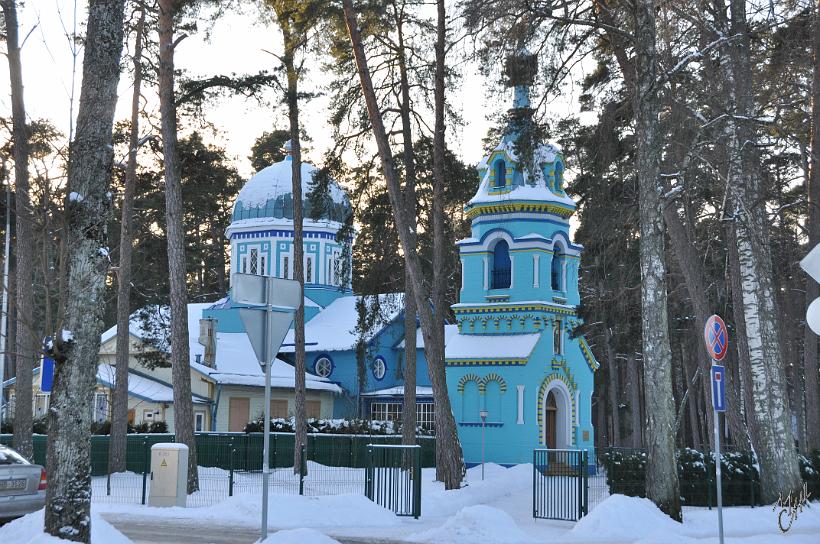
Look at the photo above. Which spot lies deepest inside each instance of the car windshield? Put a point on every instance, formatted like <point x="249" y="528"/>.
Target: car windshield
<point x="11" y="457"/>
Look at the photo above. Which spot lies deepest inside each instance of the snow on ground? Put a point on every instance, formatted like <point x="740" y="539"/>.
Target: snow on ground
<point x="299" y="536"/>
<point x="495" y="510"/>
<point x="472" y="524"/>
<point x="29" y="530"/>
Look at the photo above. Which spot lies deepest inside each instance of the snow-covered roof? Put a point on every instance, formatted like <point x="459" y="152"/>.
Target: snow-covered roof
<point x="530" y="186"/>
<point x="139" y="386"/>
<point x="283" y="376"/>
<point x="398" y="391"/>
<point x="334" y="328"/>
<point x="491" y="346"/>
<point x="449" y="331"/>
<point x="235" y="363"/>
<point x="269" y="194"/>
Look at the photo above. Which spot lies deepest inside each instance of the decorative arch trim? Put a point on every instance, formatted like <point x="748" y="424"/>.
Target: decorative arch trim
<point x="493" y="377"/>
<point x="569" y="389"/>
<point x="462" y="382"/>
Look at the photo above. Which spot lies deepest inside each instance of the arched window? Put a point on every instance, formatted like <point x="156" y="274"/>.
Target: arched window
<point x="502" y="266"/>
<point x="500" y="173"/>
<point x="557" y="269"/>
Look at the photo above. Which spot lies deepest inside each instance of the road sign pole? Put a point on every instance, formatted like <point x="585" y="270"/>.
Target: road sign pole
<point x="266" y="425"/>
<point x="718" y="472"/>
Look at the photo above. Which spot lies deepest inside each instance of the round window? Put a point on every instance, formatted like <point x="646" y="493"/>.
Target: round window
<point x="379" y="368"/>
<point x="323" y="367"/>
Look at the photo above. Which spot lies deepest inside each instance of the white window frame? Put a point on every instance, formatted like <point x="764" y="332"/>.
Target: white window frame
<point x="386" y="411"/>
<point x="426" y="414"/>
<point x="379" y="367"/>
<point x="100" y="397"/>
<point x="199" y="415"/>
<point x="309" y="268"/>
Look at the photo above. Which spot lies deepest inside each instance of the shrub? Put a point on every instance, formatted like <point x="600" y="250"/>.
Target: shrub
<point x="334" y="426"/>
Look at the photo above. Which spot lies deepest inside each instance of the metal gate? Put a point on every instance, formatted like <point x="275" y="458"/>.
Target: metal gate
<point x="393" y="478"/>
<point x="559" y="484"/>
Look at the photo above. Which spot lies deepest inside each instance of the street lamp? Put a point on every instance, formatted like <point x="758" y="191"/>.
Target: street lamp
<point x="483" y="415"/>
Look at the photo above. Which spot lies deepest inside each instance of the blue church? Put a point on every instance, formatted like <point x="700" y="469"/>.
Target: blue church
<point x="514" y="366"/>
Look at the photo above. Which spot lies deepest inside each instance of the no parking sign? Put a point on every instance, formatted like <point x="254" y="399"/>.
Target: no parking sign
<point x="717" y="338"/>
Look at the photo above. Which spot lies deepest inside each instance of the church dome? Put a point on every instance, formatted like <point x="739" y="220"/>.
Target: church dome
<point x="269" y="195"/>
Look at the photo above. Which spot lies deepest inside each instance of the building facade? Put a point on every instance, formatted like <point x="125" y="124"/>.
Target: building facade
<point x="516" y="373"/>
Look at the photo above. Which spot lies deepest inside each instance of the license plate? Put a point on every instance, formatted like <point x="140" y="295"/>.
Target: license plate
<point x="12" y="485"/>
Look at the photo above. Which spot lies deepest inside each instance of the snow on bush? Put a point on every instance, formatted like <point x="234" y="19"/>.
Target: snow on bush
<point x="627" y="518"/>
<point x="473" y="524"/>
<point x="335" y="426"/>
<point x="299" y="536"/>
<point x="29" y="530"/>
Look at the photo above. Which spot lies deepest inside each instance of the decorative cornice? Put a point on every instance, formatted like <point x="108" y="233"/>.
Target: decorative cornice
<point x="513" y="307"/>
<point x="592" y="363"/>
<point x="485" y="362"/>
<point x="514" y="207"/>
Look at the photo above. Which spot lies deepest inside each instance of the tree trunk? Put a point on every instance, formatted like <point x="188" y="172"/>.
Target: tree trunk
<point x="614" y="389"/>
<point x="180" y="351"/>
<point x="810" y="371"/>
<point x="746" y="400"/>
<point x="775" y="447"/>
<point x="449" y="458"/>
<point x="119" y="396"/>
<point x="408" y="435"/>
<point x="23" y="243"/>
<point x="633" y="371"/>
<point x="662" y="485"/>
<point x="76" y="347"/>
<point x="291" y="41"/>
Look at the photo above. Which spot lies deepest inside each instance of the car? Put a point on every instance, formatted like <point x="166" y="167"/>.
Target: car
<point x="22" y="485"/>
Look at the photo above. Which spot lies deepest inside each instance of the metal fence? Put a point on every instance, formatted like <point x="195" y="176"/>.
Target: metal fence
<point x="231" y="464"/>
<point x="393" y="478"/>
<point x="560" y="484"/>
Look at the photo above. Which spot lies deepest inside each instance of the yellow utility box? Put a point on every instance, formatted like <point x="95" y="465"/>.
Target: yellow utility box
<point x="169" y="475"/>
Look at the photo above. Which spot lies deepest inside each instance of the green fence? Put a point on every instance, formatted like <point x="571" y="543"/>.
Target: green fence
<point x="242" y="451"/>
<point x="231" y="463"/>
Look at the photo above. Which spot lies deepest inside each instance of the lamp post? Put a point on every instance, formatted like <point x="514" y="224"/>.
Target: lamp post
<point x="483" y="415"/>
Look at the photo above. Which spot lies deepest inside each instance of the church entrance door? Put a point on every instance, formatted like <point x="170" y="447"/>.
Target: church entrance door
<point x="552" y="411"/>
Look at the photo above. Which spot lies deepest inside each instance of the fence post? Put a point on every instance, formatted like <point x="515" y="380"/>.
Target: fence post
<point x="230" y="473"/>
<point x="534" y="481"/>
<point x="302" y="469"/>
<point x="709" y="491"/>
<point x="585" y="484"/>
<point x="145" y="468"/>
<point x="417" y="486"/>
<point x="368" y="473"/>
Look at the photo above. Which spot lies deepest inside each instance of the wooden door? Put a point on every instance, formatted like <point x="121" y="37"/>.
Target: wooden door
<point x="238" y="414"/>
<point x="552" y="412"/>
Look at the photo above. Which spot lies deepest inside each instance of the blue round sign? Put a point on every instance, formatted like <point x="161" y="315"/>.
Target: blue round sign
<point x="717" y="337"/>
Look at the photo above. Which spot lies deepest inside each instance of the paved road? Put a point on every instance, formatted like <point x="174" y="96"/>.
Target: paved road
<point x="152" y="530"/>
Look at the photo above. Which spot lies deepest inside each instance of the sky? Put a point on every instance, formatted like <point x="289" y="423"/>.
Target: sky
<point x="237" y="43"/>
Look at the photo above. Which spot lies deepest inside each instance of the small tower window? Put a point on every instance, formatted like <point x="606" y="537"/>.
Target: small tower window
<point x="559" y="176"/>
<point x="502" y="266"/>
<point x="557" y="338"/>
<point x="500" y="173"/>
<point x="557" y="269"/>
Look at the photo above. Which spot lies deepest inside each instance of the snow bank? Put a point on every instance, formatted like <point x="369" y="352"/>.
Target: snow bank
<point x="475" y="524"/>
<point x="627" y="518"/>
<point x="299" y="536"/>
<point x="29" y="530"/>
<point x="284" y="511"/>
